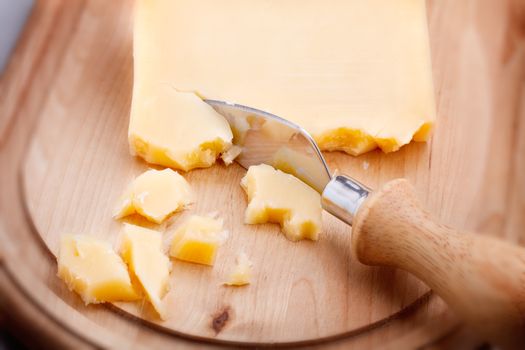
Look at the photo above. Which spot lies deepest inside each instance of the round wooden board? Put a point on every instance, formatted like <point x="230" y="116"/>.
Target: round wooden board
<point x="68" y="162"/>
<point x="78" y="165"/>
<point x="74" y="175"/>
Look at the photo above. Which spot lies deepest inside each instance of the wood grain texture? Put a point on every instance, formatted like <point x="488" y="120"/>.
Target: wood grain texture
<point x="470" y="175"/>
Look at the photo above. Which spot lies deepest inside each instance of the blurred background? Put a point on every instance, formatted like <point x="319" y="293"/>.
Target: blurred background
<point x="13" y="17"/>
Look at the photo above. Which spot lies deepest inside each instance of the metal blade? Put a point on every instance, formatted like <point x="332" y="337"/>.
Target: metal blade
<point x="269" y="139"/>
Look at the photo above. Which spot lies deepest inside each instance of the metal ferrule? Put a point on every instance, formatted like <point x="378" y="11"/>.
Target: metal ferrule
<point x="343" y="196"/>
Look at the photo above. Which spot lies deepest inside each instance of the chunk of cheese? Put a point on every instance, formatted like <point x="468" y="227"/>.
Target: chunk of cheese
<point x="91" y="268"/>
<point x="173" y="128"/>
<point x="141" y="249"/>
<point x="198" y="239"/>
<point x="278" y="197"/>
<point x="306" y="167"/>
<point x="356" y="74"/>
<point x="242" y="271"/>
<point x="155" y="194"/>
<point x="229" y="156"/>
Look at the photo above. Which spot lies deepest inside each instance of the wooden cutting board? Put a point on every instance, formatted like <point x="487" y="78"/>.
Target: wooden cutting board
<point x="63" y="125"/>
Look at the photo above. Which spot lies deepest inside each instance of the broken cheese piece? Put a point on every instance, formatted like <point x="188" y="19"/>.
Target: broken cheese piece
<point x="242" y="272"/>
<point x="229" y="156"/>
<point x="275" y="196"/>
<point x="198" y="239"/>
<point x="304" y="166"/>
<point x="355" y="74"/>
<point x="91" y="268"/>
<point x="155" y="194"/>
<point x="175" y="129"/>
<point x="141" y="249"/>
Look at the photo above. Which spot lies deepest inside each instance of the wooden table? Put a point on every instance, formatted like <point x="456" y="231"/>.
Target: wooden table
<point x="478" y="51"/>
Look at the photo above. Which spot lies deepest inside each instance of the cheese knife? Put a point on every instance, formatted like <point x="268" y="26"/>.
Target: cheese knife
<point x="481" y="278"/>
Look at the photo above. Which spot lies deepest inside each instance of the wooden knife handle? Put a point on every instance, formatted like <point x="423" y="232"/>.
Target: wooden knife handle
<point x="481" y="278"/>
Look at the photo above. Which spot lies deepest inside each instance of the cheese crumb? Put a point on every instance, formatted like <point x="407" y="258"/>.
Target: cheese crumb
<point x="242" y="271"/>
<point x="229" y="156"/>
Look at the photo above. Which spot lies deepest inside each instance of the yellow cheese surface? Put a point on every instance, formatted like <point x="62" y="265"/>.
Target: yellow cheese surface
<point x="91" y="268"/>
<point x="278" y="197"/>
<point x="141" y="249"/>
<point x="155" y="194"/>
<point x="198" y="239"/>
<point x="173" y="128"/>
<point x="242" y="271"/>
<point x="356" y="74"/>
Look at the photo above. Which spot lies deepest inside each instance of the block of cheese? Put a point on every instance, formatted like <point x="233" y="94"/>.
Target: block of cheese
<point x="91" y="268"/>
<point x="242" y="271"/>
<point x="173" y="128"/>
<point x="198" y="239"/>
<point x="275" y="196"/>
<point x="141" y="249"/>
<point x="155" y="194"/>
<point x="356" y="74"/>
